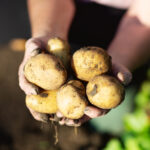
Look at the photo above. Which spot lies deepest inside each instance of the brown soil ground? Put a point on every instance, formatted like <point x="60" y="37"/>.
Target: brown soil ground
<point x="19" y="131"/>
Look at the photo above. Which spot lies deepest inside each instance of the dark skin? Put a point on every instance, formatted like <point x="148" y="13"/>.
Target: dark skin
<point x="50" y="18"/>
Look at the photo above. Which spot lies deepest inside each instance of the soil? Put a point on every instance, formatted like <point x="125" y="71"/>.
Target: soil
<point x="19" y="131"/>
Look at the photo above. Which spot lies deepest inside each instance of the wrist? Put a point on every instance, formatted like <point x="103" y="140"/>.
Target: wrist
<point x="130" y="46"/>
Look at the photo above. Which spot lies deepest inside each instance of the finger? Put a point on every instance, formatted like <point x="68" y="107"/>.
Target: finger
<point x="33" y="47"/>
<point x="27" y="87"/>
<point x="59" y="114"/>
<point x="77" y="122"/>
<point x="33" y="44"/>
<point x="84" y="119"/>
<point x="70" y="122"/>
<point x="53" y="117"/>
<point x="94" y="112"/>
<point x="39" y="116"/>
<point x="122" y="73"/>
<point x="62" y="121"/>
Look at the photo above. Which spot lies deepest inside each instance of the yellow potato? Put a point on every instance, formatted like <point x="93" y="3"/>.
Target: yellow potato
<point x="71" y="99"/>
<point x="45" y="71"/>
<point x="17" y="44"/>
<point x="43" y="103"/>
<point x="105" y="92"/>
<point x="88" y="62"/>
<point x="61" y="49"/>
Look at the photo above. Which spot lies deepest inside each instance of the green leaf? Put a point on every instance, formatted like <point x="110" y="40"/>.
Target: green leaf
<point x="137" y="122"/>
<point x="114" y="144"/>
<point x="144" y="141"/>
<point x="132" y="144"/>
<point x="145" y="88"/>
<point x="141" y="99"/>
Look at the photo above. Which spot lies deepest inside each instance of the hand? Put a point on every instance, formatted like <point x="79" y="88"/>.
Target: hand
<point x="122" y="74"/>
<point x="33" y="47"/>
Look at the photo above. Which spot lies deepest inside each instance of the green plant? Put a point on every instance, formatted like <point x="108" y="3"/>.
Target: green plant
<point x="136" y="135"/>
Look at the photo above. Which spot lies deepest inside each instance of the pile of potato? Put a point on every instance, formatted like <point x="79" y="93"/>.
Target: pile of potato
<point x="50" y="72"/>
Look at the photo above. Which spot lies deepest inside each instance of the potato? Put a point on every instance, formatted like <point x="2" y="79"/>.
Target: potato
<point x="61" y="49"/>
<point x="45" y="71"/>
<point x="71" y="99"/>
<point x="44" y="102"/>
<point x="88" y="62"/>
<point x="105" y="92"/>
<point x="17" y="44"/>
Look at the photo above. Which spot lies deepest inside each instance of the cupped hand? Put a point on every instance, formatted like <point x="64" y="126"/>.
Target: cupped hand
<point x="32" y="48"/>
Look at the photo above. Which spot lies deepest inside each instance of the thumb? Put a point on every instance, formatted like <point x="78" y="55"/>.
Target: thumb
<point x="33" y="46"/>
<point x="121" y="73"/>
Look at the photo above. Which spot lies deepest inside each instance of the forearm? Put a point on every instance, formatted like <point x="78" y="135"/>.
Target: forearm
<point x="51" y="17"/>
<point x="130" y="46"/>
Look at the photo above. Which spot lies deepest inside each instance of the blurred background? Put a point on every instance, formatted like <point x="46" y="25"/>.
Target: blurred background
<point x="124" y="128"/>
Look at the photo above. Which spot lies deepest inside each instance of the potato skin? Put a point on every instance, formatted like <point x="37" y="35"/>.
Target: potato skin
<point x="44" y="102"/>
<point x="105" y="92"/>
<point x="89" y="61"/>
<point x="45" y="71"/>
<point x="71" y="101"/>
<point x="61" y="49"/>
<point x="78" y="85"/>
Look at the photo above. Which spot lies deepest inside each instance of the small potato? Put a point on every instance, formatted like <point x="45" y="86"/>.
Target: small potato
<point x="71" y="99"/>
<point x="45" y="71"/>
<point x="43" y="103"/>
<point x="105" y="92"/>
<point x="89" y="61"/>
<point x="17" y="44"/>
<point x="61" y="49"/>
